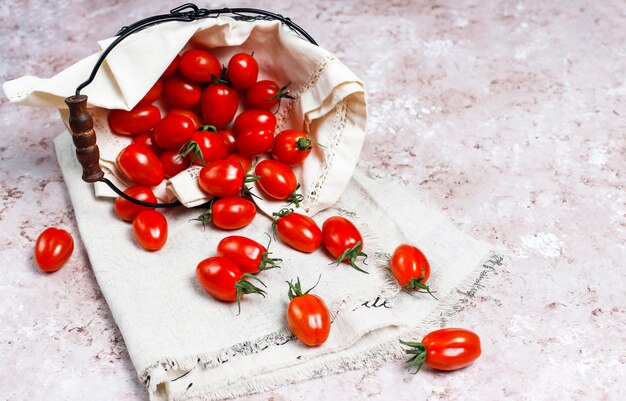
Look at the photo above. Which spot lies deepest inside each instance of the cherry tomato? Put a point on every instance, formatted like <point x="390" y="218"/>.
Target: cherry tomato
<point x="297" y="230"/>
<point x="147" y="139"/>
<point x="197" y="121"/>
<point x="254" y="142"/>
<point x="223" y="178"/>
<point x="172" y="67"/>
<point x="249" y="256"/>
<point x="204" y="147"/>
<point x="150" y="229"/>
<point x="307" y="316"/>
<point x="224" y="281"/>
<point x="173" y="163"/>
<point x="139" y="119"/>
<point x="229" y="139"/>
<point x="411" y="268"/>
<point x="153" y="94"/>
<point x="343" y="240"/>
<point x="173" y="131"/>
<point x="140" y="165"/>
<point x="181" y="92"/>
<point x="219" y="105"/>
<point x="266" y="94"/>
<point x="444" y="349"/>
<point x="53" y="248"/>
<point x="199" y="65"/>
<point x="127" y="210"/>
<point x="276" y="179"/>
<point x="254" y="119"/>
<point x="230" y="213"/>
<point x="243" y="70"/>
<point x="291" y="147"/>
<point x="244" y="162"/>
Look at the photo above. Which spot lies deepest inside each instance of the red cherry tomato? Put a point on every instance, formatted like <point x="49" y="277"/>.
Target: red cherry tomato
<point x="173" y="131"/>
<point x="291" y="147"/>
<point x="232" y="213"/>
<point x="224" y="281"/>
<point x="205" y="147"/>
<point x="298" y="231"/>
<point x="307" y="316"/>
<point x="139" y="119"/>
<point x="276" y="179"/>
<point x="228" y="136"/>
<point x="266" y="94"/>
<point x="244" y="162"/>
<point x="150" y="229"/>
<point x="181" y="92"/>
<point x="223" y="178"/>
<point x="249" y="256"/>
<point x="410" y="267"/>
<point x="197" y="121"/>
<point x="127" y="210"/>
<point x="254" y="119"/>
<point x="173" y="163"/>
<point x="53" y="248"/>
<point x="219" y="105"/>
<point x="199" y="65"/>
<point x="254" y="142"/>
<point x="343" y="240"/>
<point x="172" y="67"/>
<point x="444" y="349"/>
<point x="147" y="139"/>
<point x="153" y="94"/>
<point x="140" y="165"/>
<point x="243" y="70"/>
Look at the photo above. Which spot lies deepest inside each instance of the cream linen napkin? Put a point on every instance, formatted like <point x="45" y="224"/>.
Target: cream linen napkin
<point x="187" y="346"/>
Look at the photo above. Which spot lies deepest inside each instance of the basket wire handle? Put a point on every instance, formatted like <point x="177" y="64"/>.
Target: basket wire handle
<point x="80" y="120"/>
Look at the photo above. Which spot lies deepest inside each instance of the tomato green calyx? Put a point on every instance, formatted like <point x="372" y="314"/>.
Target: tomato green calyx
<point x="282" y="93"/>
<point x="245" y="287"/>
<point x="295" y="290"/>
<point x="208" y="128"/>
<point x="304" y="144"/>
<point x="193" y="148"/>
<point x="419" y="354"/>
<point x="281" y="213"/>
<point x="266" y="261"/>
<point x="222" y="79"/>
<point x="295" y="198"/>
<point x="351" y="254"/>
<point x="205" y="217"/>
<point x="416" y="284"/>
<point x="251" y="178"/>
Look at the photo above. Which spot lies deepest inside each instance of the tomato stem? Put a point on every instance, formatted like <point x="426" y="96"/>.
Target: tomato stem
<point x="419" y="352"/>
<point x="282" y="93"/>
<point x="193" y="148"/>
<point x="351" y="254"/>
<point x="281" y="213"/>
<point x="295" y="198"/>
<point x="208" y="128"/>
<point x="306" y="143"/>
<point x="267" y="262"/>
<point x="295" y="290"/>
<point x="245" y="287"/>
<point x="416" y="284"/>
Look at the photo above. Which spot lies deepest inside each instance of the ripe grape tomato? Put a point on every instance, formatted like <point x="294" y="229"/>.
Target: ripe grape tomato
<point x="127" y="210"/>
<point x="181" y="92"/>
<point x="219" y="105"/>
<point x="247" y="254"/>
<point x="147" y="139"/>
<point x="254" y="142"/>
<point x="276" y="179"/>
<point x="254" y="119"/>
<point x="136" y="121"/>
<point x="199" y="65"/>
<point x="266" y="94"/>
<point x="173" y="163"/>
<point x="343" y="240"/>
<point x="53" y="248"/>
<point x="291" y="147"/>
<point x="308" y="316"/>
<point x="297" y="230"/>
<point x="222" y="178"/>
<point x="173" y="131"/>
<point x="140" y="165"/>
<point x="410" y="268"/>
<point x="204" y="147"/>
<point x="444" y="349"/>
<point x="197" y="121"/>
<point x="243" y="70"/>
<point x="150" y="229"/>
<point x="230" y="213"/>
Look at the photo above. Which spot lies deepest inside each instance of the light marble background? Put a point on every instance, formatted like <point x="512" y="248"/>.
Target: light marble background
<point x="509" y="115"/>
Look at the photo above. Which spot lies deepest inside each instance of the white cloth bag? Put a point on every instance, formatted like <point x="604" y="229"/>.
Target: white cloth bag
<point x="329" y="99"/>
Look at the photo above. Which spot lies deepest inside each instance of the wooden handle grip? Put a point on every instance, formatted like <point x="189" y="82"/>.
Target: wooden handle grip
<point x="84" y="138"/>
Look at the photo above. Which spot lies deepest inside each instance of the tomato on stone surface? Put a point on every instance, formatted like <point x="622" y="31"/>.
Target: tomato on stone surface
<point x="229" y="213"/>
<point x="136" y="121"/>
<point x="254" y="119"/>
<point x="343" y="240"/>
<point x="254" y="142"/>
<point x="229" y="139"/>
<point x="171" y="69"/>
<point x="147" y="139"/>
<point x="307" y="316"/>
<point x="249" y="256"/>
<point x="297" y="230"/>
<point x="276" y="179"/>
<point x="173" y="163"/>
<point x="173" y="131"/>
<point x="291" y="147"/>
<point x="244" y="162"/>
<point x="266" y="94"/>
<point x="224" y="281"/>
<point x="204" y="147"/>
<point x="140" y="165"/>
<point x="411" y="268"/>
<point x="153" y="94"/>
<point x="243" y="70"/>
<point x="219" y="105"/>
<point x="199" y="65"/>
<point x="181" y="92"/>
<point x="223" y="178"/>
<point x="53" y="248"/>
<point x="197" y="121"/>
<point x="150" y="230"/>
<point x="127" y="210"/>
<point x="444" y="349"/>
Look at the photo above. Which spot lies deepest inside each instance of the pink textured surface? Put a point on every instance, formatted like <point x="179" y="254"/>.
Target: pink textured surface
<point x="509" y="115"/>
